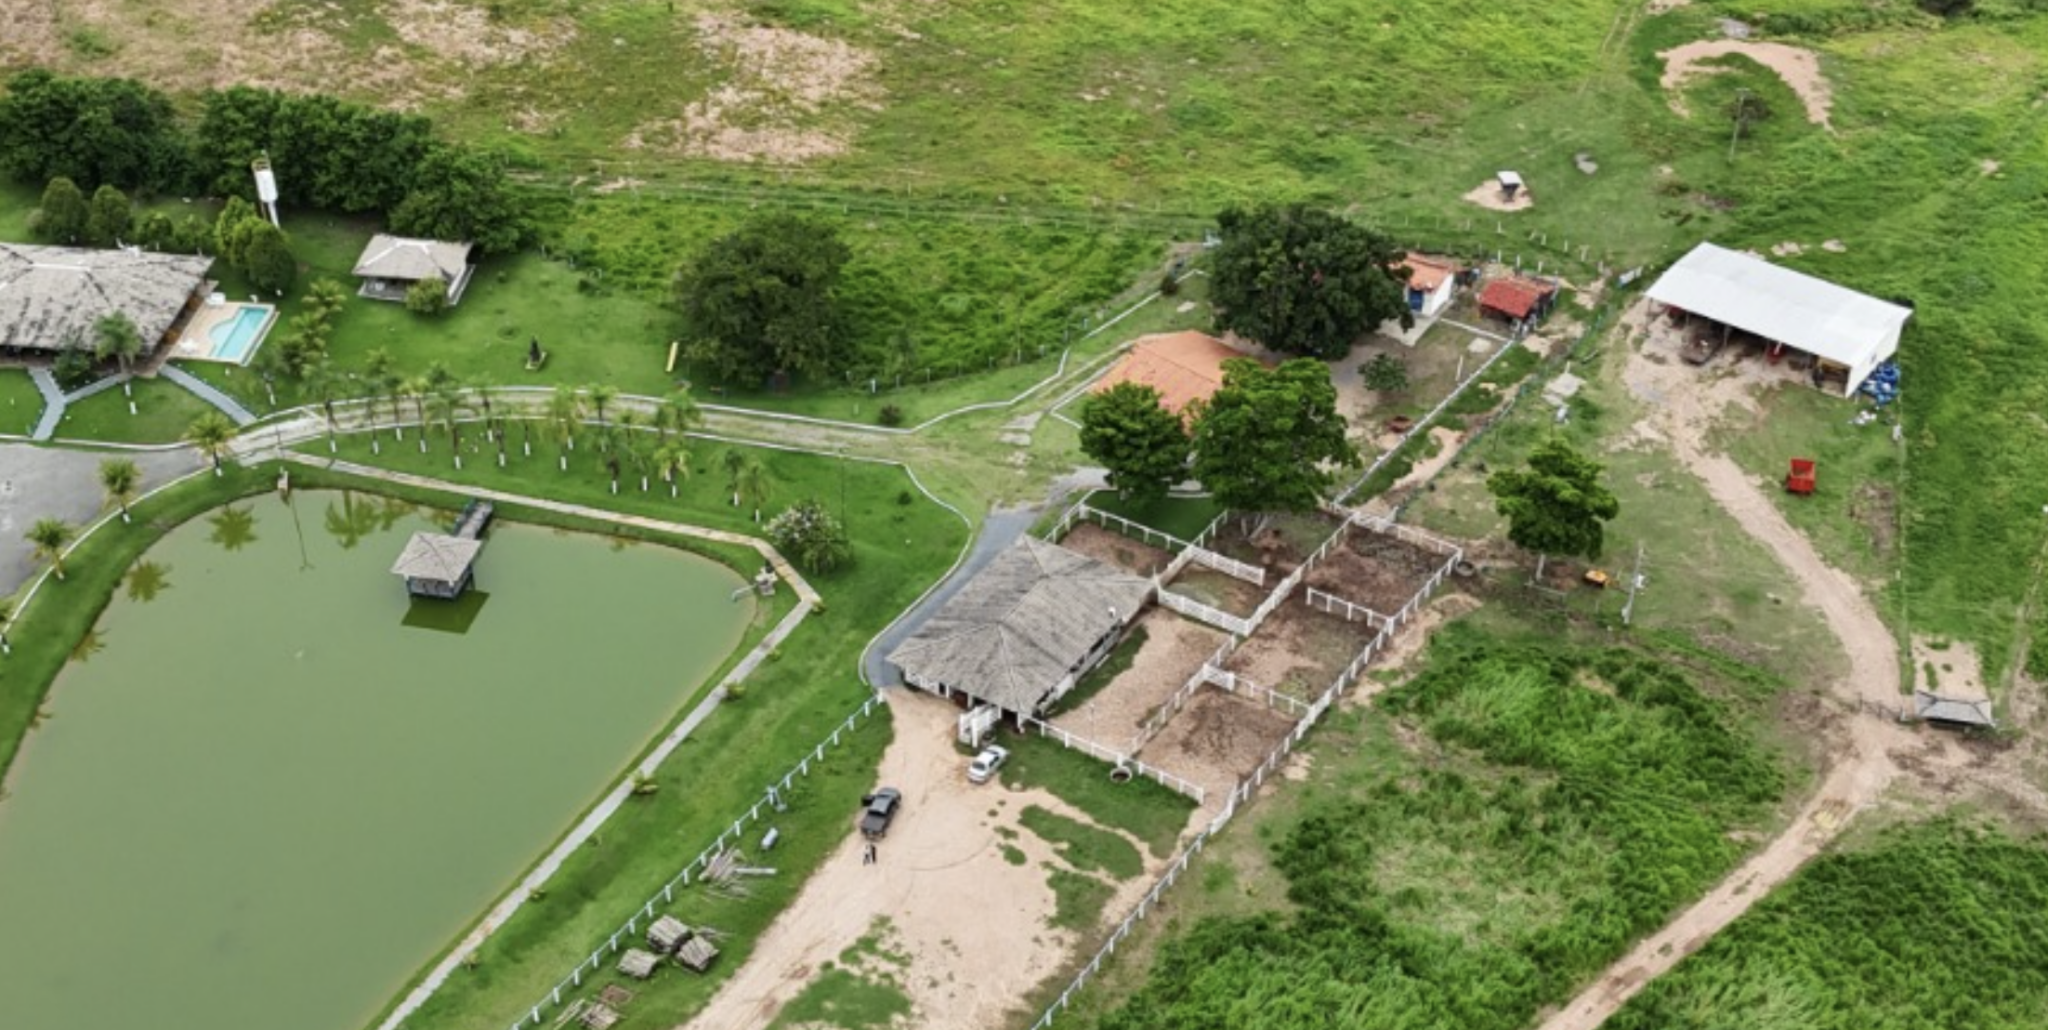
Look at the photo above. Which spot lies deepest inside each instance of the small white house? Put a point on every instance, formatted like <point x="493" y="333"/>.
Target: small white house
<point x="1431" y="281"/>
<point x="391" y="264"/>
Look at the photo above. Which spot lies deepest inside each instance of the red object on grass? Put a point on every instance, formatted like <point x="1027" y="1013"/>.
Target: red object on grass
<point x="1800" y="479"/>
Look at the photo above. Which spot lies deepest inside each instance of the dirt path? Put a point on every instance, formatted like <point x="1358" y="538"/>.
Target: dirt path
<point x="973" y="925"/>
<point x="1859" y="760"/>
<point x="1799" y="67"/>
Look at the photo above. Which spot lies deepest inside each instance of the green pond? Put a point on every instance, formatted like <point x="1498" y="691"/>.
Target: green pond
<point x="273" y="787"/>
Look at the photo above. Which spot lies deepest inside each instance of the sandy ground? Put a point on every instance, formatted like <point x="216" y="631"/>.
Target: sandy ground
<point x="1864" y="751"/>
<point x="1299" y="645"/>
<point x="1216" y="741"/>
<point x="1955" y="669"/>
<point x="1489" y="196"/>
<point x="974" y="926"/>
<point x="1174" y="648"/>
<point x="1115" y="548"/>
<point x="782" y="98"/>
<point x="1799" y="67"/>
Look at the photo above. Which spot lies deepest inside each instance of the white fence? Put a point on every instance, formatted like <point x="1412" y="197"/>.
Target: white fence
<point x="1082" y="511"/>
<point x="1200" y="612"/>
<point x="1157" y="720"/>
<point x="1332" y="604"/>
<point x="1227" y="565"/>
<point x="1239" y="684"/>
<point x="771" y="798"/>
<point x="1114" y="757"/>
<point x="1250" y="785"/>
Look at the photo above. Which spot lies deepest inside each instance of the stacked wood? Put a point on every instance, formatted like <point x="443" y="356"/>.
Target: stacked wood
<point x="638" y="964"/>
<point x="666" y="933"/>
<point x="696" y="953"/>
<point x="600" y="1017"/>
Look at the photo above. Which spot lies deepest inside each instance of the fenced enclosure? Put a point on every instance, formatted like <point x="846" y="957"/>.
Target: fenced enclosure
<point x="1334" y="605"/>
<point x="772" y="798"/>
<point x="1074" y="741"/>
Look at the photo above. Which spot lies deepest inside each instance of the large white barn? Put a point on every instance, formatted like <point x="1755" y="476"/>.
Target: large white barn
<point x="1848" y="333"/>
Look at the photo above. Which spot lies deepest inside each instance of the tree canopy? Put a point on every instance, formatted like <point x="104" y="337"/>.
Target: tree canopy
<point x="107" y="217"/>
<point x="1556" y="505"/>
<point x="763" y="300"/>
<point x="1263" y="441"/>
<point x="1302" y="280"/>
<point x="462" y="195"/>
<point x="63" y="213"/>
<point x="92" y="131"/>
<point x="1143" y="445"/>
<point x="811" y="537"/>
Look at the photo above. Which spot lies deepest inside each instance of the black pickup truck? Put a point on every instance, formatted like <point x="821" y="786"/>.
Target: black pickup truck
<point x="882" y="807"/>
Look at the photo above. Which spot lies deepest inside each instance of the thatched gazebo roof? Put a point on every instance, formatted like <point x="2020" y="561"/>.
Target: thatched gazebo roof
<point x="436" y="556"/>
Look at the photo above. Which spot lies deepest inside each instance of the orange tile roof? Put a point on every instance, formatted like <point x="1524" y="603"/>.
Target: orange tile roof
<point x="1514" y="297"/>
<point x="1184" y="367"/>
<point x="1427" y="273"/>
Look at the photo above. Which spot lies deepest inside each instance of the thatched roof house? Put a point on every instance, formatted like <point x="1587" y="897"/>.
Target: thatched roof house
<point x="391" y="264"/>
<point x="1021" y="632"/>
<point x="52" y="297"/>
<point x="437" y="564"/>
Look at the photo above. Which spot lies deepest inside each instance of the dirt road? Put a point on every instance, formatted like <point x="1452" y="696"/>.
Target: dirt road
<point x="973" y="925"/>
<point x="1859" y="760"/>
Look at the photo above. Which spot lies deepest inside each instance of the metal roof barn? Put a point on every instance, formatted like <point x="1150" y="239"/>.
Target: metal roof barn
<point x="1833" y="323"/>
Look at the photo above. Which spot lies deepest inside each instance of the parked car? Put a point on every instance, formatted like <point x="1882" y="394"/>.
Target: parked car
<point x="882" y="807"/>
<point x="984" y="766"/>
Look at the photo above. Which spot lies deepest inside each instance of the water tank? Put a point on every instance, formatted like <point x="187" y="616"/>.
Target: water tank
<point x="266" y="182"/>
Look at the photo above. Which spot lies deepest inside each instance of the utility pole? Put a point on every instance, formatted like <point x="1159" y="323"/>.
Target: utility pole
<point x="1635" y="583"/>
<point x="1741" y="112"/>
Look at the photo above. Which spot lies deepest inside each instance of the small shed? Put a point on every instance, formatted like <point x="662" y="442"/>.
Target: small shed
<point x="666" y="933"/>
<point x="1431" y="281"/>
<point x="1954" y="713"/>
<point x="1511" y="185"/>
<point x="697" y="954"/>
<point x="1517" y="298"/>
<point x="638" y="964"/>
<point x="437" y="564"/>
<point x="390" y="265"/>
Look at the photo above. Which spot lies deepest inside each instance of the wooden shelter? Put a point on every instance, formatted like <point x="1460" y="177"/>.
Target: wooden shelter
<point x="1516" y="298"/>
<point x="390" y="265"/>
<point x="667" y="934"/>
<point x="437" y="564"/>
<point x="697" y="954"/>
<point x="638" y="964"/>
<point x="1954" y="713"/>
<point x="600" y="1017"/>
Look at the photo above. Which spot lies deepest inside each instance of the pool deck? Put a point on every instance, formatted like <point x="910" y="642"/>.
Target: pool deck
<point x="196" y="342"/>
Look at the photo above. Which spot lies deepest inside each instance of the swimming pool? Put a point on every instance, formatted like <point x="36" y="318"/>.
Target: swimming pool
<point x="234" y="338"/>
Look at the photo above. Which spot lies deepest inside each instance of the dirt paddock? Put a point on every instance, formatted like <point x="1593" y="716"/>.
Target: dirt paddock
<point x="1174" y="648"/>
<point x="1299" y="650"/>
<point x="1217" y="740"/>
<point x="1378" y="571"/>
<point x="1218" y="590"/>
<point x="1115" y="548"/>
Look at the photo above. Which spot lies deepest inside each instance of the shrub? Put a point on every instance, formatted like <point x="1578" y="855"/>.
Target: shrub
<point x="428" y="296"/>
<point x="811" y="537"/>
<point x="890" y="415"/>
<point x="73" y="368"/>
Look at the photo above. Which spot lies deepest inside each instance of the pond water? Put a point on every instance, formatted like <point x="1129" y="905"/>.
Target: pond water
<point x="273" y="788"/>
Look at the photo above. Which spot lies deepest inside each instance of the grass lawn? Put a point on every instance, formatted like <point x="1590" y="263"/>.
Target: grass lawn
<point x="1086" y="848"/>
<point x="163" y="411"/>
<point x="792" y="702"/>
<point x="1184" y="517"/>
<point x="21" y="404"/>
<point x="1140" y="807"/>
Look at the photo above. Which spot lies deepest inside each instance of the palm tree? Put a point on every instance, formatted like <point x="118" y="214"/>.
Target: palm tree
<point x="601" y="394"/>
<point x="211" y="432"/>
<point x="446" y="404"/>
<point x="677" y="413"/>
<point x="119" y="477"/>
<point x="115" y="336"/>
<point x="672" y="461"/>
<point x="632" y="447"/>
<point x="750" y="483"/>
<point x="6" y="616"/>
<point x="321" y="382"/>
<point x="733" y="461"/>
<point x="417" y="388"/>
<point x="565" y="408"/>
<point x="49" y="537"/>
<point x="384" y="379"/>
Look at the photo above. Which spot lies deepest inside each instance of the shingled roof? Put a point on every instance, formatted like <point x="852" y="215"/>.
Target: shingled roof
<point x="436" y="556"/>
<point x="397" y="257"/>
<point x="1949" y="709"/>
<point x="51" y="297"/>
<point x="1021" y="625"/>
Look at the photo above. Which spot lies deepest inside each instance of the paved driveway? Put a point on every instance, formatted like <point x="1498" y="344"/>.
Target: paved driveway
<point x="41" y="482"/>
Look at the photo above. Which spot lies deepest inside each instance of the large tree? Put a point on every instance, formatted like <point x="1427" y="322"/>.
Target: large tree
<point x="459" y="194"/>
<point x="1143" y="445"/>
<point x="63" y="213"/>
<point x="1557" y="504"/>
<point x="1303" y="281"/>
<point x="108" y="217"/>
<point x="763" y="301"/>
<point x="92" y="131"/>
<point x="268" y="261"/>
<point x="1264" y="441"/>
<point x="811" y="537"/>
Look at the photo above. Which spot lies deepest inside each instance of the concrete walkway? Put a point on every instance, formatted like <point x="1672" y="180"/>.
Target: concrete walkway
<point x="53" y="403"/>
<point x="203" y="390"/>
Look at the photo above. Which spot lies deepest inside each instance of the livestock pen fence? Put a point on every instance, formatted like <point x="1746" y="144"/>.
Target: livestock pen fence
<point x="772" y="799"/>
<point x="1126" y="760"/>
<point x="1250" y="784"/>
